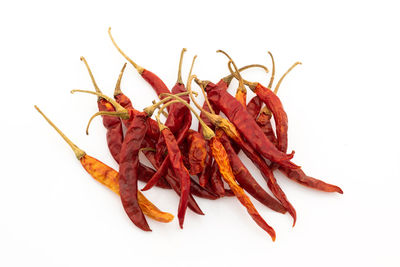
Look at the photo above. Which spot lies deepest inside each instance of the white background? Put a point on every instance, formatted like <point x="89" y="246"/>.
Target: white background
<point x="343" y="113"/>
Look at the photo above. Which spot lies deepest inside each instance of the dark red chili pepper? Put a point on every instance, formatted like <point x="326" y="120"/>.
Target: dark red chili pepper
<point x="128" y="168"/>
<point x="232" y="132"/>
<point x="114" y="129"/>
<point x="264" y="121"/>
<point x="172" y="181"/>
<point x="216" y="183"/>
<point x="195" y="188"/>
<point x="254" y="107"/>
<point x="244" y="178"/>
<point x="177" y="165"/>
<point x="274" y="104"/>
<point x="238" y="115"/>
<point x="128" y="158"/>
<point x="225" y="169"/>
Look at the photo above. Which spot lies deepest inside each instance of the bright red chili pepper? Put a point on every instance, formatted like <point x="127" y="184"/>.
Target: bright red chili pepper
<point x="154" y="81"/>
<point x="197" y="153"/>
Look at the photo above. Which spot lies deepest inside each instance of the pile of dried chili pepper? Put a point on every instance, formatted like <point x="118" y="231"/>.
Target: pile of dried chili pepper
<point x="196" y="163"/>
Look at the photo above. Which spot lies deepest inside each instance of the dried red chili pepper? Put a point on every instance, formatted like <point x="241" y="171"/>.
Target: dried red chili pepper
<point x="109" y="177"/>
<point x="155" y="82"/>
<point x="172" y="181"/>
<point x="114" y="128"/>
<point x="274" y="104"/>
<point x="244" y="177"/>
<point x="215" y="180"/>
<point x="129" y="158"/>
<point x="197" y="153"/>
<point x="113" y="125"/>
<point x="238" y="115"/>
<point x="164" y="166"/>
<point x="177" y="165"/>
<point x="232" y="132"/>
<point x="225" y="169"/>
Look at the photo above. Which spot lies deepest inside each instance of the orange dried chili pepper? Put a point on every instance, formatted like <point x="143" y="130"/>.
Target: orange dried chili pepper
<point x="197" y="153"/>
<point x="109" y="177"/>
<point x="225" y="169"/>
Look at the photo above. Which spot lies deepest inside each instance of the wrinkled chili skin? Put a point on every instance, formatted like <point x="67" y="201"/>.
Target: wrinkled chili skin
<point x="264" y="121"/>
<point x="274" y="104"/>
<point x="267" y="174"/>
<point x="221" y="85"/>
<point x="113" y="126"/>
<point x="179" y="117"/>
<point x="204" y="177"/>
<point x="300" y="177"/>
<point x="179" y="170"/>
<point x="197" y="153"/>
<point x="171" y="181"/>
<point x="109" y="177"/>
<point x="152" y="128"/>
<point x="216" y="183"/>
<point x="246" y="125"/>
<point x="221" y="157"/>
<point x="128" y="168"/>
<point x="254" y="107"/>
<point x="245" y="179"/>
<point x="241" y="96"/>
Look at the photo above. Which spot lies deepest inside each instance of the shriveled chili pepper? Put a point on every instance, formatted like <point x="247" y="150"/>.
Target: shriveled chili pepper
<point x="244" y="177"/>
<point x="275" y="106"/>
<point x="225" y="169"/>
<point x="238" y="115"/>
<point x="177" y="165"/>
<point x="197" y="153"/>
<point x="114" y="128"/>
<point x="172" y="181"/>
<point x="232" y="132"/>
<point x="164" y="166"/>
<point x="255" y="104"/>
<point x="109" y="177"/>
<point x="155" y="82"/>
<point x="128" y="158"/>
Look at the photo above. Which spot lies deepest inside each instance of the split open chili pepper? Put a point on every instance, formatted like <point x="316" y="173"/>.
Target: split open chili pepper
<point x="225" y="169"/>
<point x="175" y="158"/>
<point x="233" y="133"/>
<point x="109" y="177"/>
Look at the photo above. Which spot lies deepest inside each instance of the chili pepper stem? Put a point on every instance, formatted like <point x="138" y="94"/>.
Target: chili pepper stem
<point x="207" y="132"/>
<point x="271" y="80"/>
<point x="79" y="153"/>
<point x="283" y="76"/>
<point x="163" y="112"/>
<point x="91" y="76"/>
<point x="179" y="80"/>
<point x="117" y="90"/>
<point x="136" y="66"/>
<point x="150" y="109"/>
